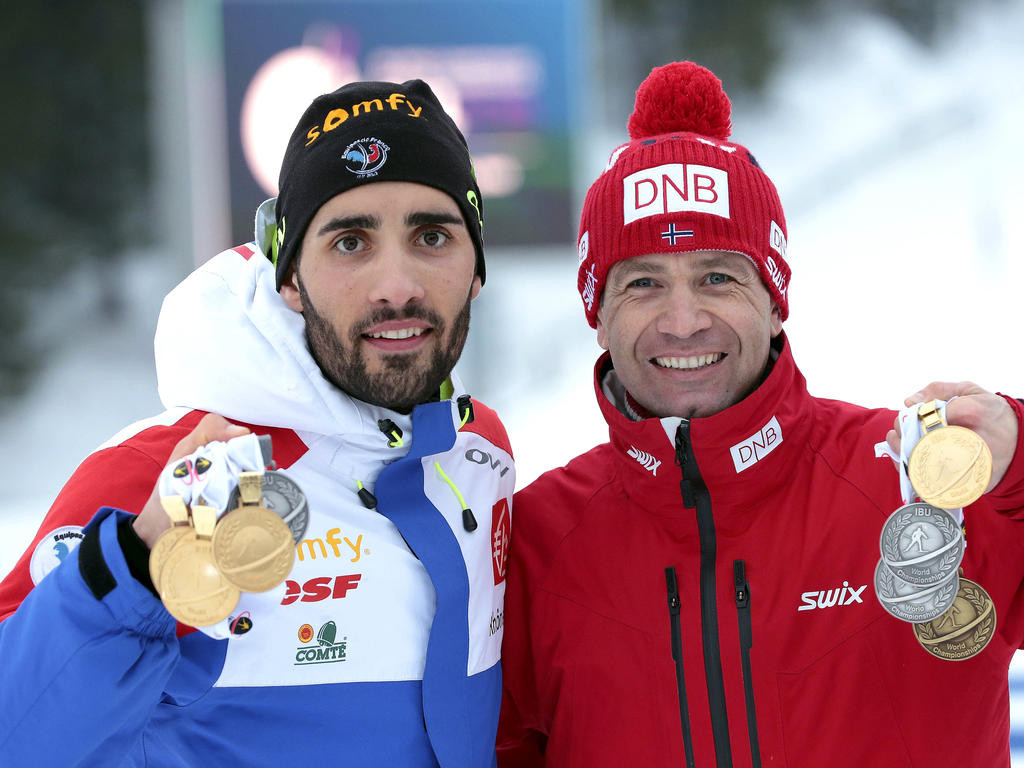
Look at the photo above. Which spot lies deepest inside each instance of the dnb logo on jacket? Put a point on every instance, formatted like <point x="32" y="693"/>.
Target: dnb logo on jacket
<point x="365" y="157"/>
<point x="323" y="647"/>
<point x="52" y="549"/>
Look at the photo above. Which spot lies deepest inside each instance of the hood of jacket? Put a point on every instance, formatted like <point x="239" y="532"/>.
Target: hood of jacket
<point x="743" y="452"/>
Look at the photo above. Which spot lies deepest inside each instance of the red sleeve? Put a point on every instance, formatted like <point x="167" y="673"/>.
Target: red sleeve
<point x="121" y="476"/>
<point x="1008" y="496"/>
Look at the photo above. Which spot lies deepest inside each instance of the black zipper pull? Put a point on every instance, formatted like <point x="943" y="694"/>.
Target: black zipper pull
<point x="673" y="591"/>
<point x="391" y="431"/>
<point x="682" y="450"/>
<point x="740" y="582"/>
<point x="465" y="403"/>
<point x="468" y="520"/>
<point x="368" y="499"/>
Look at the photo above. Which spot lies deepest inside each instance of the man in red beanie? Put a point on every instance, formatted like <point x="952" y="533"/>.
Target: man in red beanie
<point x="745" y="574"/>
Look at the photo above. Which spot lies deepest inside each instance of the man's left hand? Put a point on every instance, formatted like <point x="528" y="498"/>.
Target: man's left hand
<point x="977" y="409"/>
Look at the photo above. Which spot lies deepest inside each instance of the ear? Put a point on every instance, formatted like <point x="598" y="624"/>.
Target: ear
<point x="602" y="331"/>
<point x="475" y="290"/>
<point x="776" y="320"/>
<point x="290" y="289"/>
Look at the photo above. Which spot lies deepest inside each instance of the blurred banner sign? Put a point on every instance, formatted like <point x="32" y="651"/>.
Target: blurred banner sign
<point x="508" y="72"/>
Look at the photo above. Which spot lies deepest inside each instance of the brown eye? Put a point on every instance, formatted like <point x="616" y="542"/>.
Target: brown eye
<point x="349" y="243"/>
<point x="433" y="238"/>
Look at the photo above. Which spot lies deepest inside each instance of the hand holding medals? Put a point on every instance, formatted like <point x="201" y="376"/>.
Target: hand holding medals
<point x="918" y="579"/>
<point x="224" y="538"/>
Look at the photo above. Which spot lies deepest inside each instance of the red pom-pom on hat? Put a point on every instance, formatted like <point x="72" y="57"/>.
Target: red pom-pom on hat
<point x="681" y="97"/>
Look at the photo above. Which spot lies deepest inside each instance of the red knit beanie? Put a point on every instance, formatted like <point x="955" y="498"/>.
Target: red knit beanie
<point x="679" y="185"/>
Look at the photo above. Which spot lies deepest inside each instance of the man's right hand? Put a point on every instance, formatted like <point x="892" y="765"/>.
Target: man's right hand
<point x="153" y="520"/>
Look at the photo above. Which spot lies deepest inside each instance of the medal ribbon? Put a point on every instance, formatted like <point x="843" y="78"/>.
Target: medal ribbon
<point x="212" y="471"/>
<point x="911" y="432"/>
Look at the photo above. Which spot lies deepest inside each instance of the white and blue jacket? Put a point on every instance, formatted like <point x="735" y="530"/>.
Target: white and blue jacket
<point x="381" y="647"/>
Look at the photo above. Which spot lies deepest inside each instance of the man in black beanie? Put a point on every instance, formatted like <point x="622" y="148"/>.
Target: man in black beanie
<point x="335" y="333"/>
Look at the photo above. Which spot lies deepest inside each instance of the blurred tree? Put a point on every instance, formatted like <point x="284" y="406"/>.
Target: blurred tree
<point x="73" y="156"/>
<point x="742" y="40"/>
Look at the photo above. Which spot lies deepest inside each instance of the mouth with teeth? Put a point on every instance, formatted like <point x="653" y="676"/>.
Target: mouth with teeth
<point x="398" y="339"/>
<point x="693" y="363"/>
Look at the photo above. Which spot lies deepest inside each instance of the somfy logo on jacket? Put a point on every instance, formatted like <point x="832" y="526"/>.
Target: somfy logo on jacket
<point x="645" y="460"/>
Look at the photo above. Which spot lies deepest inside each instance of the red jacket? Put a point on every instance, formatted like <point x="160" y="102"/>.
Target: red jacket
<point x="788" y="659"/>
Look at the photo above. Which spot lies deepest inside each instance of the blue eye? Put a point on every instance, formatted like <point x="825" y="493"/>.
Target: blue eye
<point x="718" y="278"/>
<point x="642" y="282"/>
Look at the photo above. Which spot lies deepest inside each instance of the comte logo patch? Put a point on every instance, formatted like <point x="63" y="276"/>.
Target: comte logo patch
<point x="52" y="549"/>
<point x="328" y="648"/>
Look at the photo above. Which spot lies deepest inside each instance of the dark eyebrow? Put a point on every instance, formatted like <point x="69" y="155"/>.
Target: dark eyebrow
<point x="426" y="218"/>
<point x="737" y="261"/>
<point x="630" y="267"/>
<point x="349" y="222"/>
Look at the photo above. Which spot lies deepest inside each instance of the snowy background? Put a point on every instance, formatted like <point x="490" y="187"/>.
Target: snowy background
<point x="902" y="178"/>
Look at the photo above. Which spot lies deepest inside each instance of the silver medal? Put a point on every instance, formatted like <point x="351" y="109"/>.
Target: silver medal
<point x="921" y="544"/>
<point x="284" y="498"/>
<point x="911" y="603"/>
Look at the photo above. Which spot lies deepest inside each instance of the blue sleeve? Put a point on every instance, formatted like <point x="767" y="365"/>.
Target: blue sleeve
<point x="85" y="658"/>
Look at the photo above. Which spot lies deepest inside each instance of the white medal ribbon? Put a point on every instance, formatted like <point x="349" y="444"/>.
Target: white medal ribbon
<point x="215" y="482"/>
<point x="911" y="433"/>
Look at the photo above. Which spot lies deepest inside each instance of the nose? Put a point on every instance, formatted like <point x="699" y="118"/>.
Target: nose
<point x="397" y="278"/>
<point x="683" y="313"/>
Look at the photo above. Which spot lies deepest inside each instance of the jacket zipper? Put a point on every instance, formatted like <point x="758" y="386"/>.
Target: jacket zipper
<point x="677" y="656"/>
<point x="695" y="495"/>
<point x="746" y="643"/>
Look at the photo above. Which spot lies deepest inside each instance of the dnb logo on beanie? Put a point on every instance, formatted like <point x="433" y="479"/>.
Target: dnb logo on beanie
<point x="362" y="133"/>
<point x="680" y="185"/>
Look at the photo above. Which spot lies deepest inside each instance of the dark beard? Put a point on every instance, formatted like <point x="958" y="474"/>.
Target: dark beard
<point x="406" y="380"/>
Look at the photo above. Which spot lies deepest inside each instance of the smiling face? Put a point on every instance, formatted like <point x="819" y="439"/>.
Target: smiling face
<point x="688" y="333"/>
<point x="384" y="280"/>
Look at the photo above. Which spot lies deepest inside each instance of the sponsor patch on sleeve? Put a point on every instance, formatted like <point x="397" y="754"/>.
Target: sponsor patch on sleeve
<point x="52" y="549"/>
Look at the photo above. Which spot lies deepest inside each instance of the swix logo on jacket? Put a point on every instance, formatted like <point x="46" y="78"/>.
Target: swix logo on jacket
<point x="646" y="460"/>
<point x="827" y="598"/>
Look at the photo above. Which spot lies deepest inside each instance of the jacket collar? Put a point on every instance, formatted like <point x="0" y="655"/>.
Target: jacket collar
<point x="742" y="453"/>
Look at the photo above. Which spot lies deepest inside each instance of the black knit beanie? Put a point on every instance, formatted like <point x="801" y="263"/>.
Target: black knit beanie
<point x="366" y="132"/>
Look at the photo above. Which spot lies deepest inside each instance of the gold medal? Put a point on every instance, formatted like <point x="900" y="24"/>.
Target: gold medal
<point x="162" y="548"/>
<point x="950" y="467"/>
<point x="193" y="590"/>
<point x="175" y="508"/>
<point x="253" y="547"/>
<point x="965" y="629"/>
